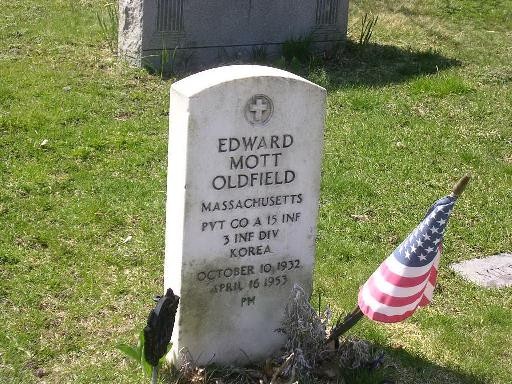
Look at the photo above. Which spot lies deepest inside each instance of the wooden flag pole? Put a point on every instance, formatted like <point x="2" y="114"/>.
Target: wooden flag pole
<point x="460" y="186"/>
<point x="352" y="318"/>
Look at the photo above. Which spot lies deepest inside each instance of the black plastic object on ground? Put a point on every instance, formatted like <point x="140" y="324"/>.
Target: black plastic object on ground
<point x="158" y="332"/>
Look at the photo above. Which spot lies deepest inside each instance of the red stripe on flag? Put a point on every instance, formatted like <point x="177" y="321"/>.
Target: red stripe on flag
<point x="400" y="281"/>
<point x="393" y="301"/>
<point x="381" y="317"/>
<point x="424" y="301"/>
<point x="433" y="276"/>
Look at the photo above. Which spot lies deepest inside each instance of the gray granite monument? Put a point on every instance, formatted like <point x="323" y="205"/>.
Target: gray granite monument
<point x="195" y="34"/>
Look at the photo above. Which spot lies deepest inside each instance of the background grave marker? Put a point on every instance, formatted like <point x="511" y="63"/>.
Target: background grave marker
<point x="490" y="272"/>
<point x="196" y="34"/>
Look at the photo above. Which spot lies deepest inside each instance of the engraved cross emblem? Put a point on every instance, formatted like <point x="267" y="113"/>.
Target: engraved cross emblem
<point x="258" y="108"/>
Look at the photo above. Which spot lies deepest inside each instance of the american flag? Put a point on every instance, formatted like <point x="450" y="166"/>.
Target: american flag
<point x="406" y="279"/>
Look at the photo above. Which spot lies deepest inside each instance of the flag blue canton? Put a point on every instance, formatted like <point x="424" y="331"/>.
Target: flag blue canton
<point x="422" y="245"/>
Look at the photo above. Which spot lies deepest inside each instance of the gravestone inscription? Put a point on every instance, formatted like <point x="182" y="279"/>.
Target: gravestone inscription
<point x="245" y="149"/>
<point x="490" y="272"/>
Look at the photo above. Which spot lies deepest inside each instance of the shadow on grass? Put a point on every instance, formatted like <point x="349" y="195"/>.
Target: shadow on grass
<point x="398" y="366"/>
<point x="375" y="65"/>
<point x="402" y="367"/>
<point x="353" y="64"/>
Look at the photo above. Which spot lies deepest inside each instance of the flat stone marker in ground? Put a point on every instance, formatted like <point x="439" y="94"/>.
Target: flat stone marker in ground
<point x="243" y="185"/>
<point x="490" y="272"/>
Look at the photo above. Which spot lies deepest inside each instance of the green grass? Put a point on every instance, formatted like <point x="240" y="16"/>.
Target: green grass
<point x="428" y="100"/>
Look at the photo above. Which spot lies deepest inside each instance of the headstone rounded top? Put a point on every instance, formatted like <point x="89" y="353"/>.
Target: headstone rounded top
<point x="201" y="81"/>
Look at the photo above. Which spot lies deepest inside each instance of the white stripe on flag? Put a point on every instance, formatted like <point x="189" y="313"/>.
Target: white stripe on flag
<point x="399" y="269"/>
<point x="370" y="301"/>
<point x="429" y="291"/>
<point x="390" y="289"/>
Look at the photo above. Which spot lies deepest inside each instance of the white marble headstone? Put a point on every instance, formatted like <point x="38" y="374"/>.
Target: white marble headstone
<point x="245" y="151"/>
<point x="490" y="272"/>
